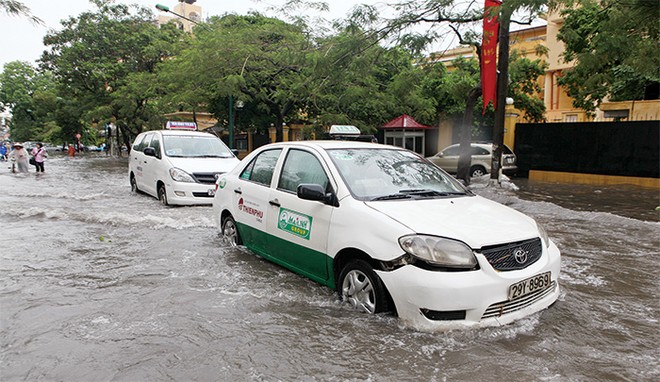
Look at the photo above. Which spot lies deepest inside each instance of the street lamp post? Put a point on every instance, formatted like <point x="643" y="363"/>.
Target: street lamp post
<point x="164" y="8"/>
<point x="231" y="121"/>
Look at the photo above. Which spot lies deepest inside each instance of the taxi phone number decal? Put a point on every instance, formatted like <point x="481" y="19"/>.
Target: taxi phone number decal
<point x="295" y="223"/>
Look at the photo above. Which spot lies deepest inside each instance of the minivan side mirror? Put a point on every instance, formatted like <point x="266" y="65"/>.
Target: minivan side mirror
<point x="150" y="151"/>
<point x="308" y="191"/>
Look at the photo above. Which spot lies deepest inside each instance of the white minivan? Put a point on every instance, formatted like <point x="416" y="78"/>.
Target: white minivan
<point x="179" y="167"/>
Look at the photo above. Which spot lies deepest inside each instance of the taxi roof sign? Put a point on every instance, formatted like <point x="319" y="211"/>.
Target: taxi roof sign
<point x="178" y="125"/>
<point x="344" y="130"/>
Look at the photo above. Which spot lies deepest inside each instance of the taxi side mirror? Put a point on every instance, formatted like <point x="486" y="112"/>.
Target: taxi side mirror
<point x="150" y="151"/>
<point x="317" y="192"/>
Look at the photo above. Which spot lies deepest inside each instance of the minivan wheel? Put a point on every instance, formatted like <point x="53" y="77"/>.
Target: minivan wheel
<point x="134" y="187"/>
<point x="162" y="194"/>
<point x="230" y="234"/>
<point x="477" y="171"/>
<point x="361" y="287"/>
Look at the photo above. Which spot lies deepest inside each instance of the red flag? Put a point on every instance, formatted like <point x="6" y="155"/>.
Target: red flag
<point x="489" y="53"/>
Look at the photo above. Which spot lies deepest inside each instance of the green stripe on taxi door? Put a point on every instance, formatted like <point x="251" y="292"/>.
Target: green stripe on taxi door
<point x="302" y="260"/>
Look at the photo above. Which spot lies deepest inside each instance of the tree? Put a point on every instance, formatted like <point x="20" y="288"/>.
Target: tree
<point x="441" y="12"/>
<point x="27" y="93"/>
<point x="17" y="8"/>
<point x="100" y="57"/>
<point x="359" y="82"/>
<point x="614" y="46"/>
<point x="259" y="60"/>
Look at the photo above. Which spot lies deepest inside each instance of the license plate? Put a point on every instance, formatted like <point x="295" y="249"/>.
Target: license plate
<point x="530" y="285"/>
<point x="211" y="192"/>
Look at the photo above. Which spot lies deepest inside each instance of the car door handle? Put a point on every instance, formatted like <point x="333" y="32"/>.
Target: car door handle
<point x="274" y="202"/>
<point x="238" y="191"/>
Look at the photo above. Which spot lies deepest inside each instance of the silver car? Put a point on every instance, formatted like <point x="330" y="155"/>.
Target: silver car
<point x="447" y="159"/>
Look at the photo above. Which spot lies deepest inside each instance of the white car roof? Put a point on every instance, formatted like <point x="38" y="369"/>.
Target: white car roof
<point x="185" y="132"/>
<point x="338" y="144"/>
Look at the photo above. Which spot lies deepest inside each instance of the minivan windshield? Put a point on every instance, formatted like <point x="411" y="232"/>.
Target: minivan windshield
<point x="195" y="146"/>
<point x="390" y="174"/>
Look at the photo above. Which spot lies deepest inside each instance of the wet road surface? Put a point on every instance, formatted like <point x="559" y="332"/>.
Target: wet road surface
<point x="98" y="284"/>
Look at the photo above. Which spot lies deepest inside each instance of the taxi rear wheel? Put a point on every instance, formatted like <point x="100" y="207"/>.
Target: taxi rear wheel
<point x="230" y="234"/>
<point x="162" y="194"/>
<point x="362" y="288"/>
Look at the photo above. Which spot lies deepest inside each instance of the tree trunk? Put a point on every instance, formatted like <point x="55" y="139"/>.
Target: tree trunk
<point x="502" y="89"/>
<point x="279" y="133"/>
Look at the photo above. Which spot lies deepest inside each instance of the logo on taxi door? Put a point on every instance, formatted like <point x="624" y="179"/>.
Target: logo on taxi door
<point x="295" y="223"/>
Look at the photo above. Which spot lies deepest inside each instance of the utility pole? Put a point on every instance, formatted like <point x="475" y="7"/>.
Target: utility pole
<point x="502" y="89"/>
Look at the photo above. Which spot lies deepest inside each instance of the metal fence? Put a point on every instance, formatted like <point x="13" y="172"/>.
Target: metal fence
<point x="629" y="148"/>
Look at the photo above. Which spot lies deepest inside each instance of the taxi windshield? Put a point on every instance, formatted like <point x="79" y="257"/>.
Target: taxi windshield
<point x="194" y="146"/>
<point x="390" y="174"/>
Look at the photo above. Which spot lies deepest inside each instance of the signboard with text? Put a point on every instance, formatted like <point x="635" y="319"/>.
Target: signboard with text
<point x="178" y="125"/>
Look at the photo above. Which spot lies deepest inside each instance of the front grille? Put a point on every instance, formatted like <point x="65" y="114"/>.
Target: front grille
<point x="513" y="256"/>
<point x="206" y="177"/>
<point x="501" y="308"/>
<point x="202" y="195"/>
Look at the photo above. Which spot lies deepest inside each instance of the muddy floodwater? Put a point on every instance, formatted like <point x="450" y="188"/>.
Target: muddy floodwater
<point x="98" y="284"/>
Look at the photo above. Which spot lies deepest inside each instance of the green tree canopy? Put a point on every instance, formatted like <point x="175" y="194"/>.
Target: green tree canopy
<point x="615" y="48"/>
<point x="359" y="82"/>
<point x="29" y="94"/>
<point x="106" y="60"/>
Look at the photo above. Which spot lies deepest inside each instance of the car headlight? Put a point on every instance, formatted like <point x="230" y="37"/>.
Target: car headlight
<point x="439" y="251"/>
<point x="544" y="235"/>
<point x="179" y="175"/>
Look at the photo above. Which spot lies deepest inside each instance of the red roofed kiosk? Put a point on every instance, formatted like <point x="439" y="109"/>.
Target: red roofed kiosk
<point x="404" y="131"/>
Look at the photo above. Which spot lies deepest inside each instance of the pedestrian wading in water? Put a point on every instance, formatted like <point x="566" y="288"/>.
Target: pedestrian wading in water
<point x="40" y="154"/>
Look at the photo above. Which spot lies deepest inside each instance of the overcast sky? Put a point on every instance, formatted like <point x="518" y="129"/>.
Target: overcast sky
<point x="22" y="40"/>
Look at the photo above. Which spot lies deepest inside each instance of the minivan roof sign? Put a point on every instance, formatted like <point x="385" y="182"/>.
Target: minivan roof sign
<point x="178" y="125"/>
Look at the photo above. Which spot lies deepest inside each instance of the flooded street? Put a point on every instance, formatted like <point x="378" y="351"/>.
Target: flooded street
<point x="100" y="284"/>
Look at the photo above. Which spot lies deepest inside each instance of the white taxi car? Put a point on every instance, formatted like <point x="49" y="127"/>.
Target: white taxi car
<point x="179" y="167"/>
<point x="390" y="231"/>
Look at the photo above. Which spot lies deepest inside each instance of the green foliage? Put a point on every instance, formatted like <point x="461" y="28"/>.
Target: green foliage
<point x="17" y="8"/>
<point x="361" y="83"/>
<point x="524" y="86"/>
<point x="614" y="45"/>
<point x="31" y="96"/>
<point x="105" y="60"/>
<point x="114" y="65"/>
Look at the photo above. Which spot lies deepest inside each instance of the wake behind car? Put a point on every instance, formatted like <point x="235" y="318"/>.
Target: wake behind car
<point x="390" y="232"/>
<point x="178" y="167"/>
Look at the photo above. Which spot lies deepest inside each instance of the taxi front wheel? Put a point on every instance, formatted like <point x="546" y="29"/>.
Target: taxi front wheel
<point x="230" y="234"/>
<point x="362" y="288"/>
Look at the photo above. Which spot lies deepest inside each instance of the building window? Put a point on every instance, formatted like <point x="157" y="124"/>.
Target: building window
<point x="411" y="140"/>
<point x="194" y="16"/>
<point x="571" y="118"/>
